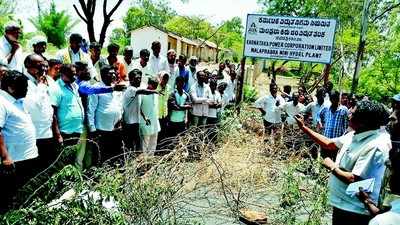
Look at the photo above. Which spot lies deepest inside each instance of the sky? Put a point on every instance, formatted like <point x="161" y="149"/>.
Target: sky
<point x="215" y="11"/>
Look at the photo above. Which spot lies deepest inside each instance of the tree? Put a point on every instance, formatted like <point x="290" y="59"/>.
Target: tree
<point x="148" y="12"/>
<point x="6" y="11"/>
<point x="55" y="25"/>
<point x="88" y="9"/>
<point x="190" y="26"/>
<point x="120" y="37"/>
<point x="227" y="35"/>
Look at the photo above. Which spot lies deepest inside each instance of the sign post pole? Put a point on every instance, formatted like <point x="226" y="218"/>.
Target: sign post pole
<point x="240" y="84"/>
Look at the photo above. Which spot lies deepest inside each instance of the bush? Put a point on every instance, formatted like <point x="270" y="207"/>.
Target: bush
<point x="249" y="94"/>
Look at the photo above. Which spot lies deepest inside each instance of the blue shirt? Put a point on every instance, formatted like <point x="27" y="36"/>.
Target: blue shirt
<point x="85" y="88"/>
<point x="185" y="74"/>
<point x="70" y="112"/>
<point x="335" y="123"/>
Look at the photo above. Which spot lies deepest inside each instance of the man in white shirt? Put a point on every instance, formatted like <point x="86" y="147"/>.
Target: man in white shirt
<point x="362" y="154"/>
<point x="231" y="87"/>
<point x="173" y="67"/>
<point x="18" y="151"/>
<point x="215" y="104"/>
<point x="104" y="116"/>
<point x="53" y="74"/>
<point x="131" y="109"/>
<point x="143" y="65"/>
<point x="269" y="107"/>
<point x="10" y="49"/>
<point x="95" y="58"/>
<point x="74" y="54"/>
<point x="192" y="68"/>
<point x="222" y="74"/>
<point x="292" y="108"/>
<point x="315" y="107"/>
<point x="157" y="62"/>
<point x="390" y="194"/>
<point x="3" y="71"/>
<point x="39" y="105"/>
<point x="200" y="94"/>
<point x="149" y="124"/>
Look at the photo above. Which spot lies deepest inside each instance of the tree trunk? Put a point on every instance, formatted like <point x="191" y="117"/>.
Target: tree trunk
<point x="90" y="30"/>
<point x="273" y="71"/>
<point x="239" y="91"/>
<point x="326" y="72"/>
<point x="361" y="45"/>
<point x="217" y="55"/>
<point x="104" y="31"/>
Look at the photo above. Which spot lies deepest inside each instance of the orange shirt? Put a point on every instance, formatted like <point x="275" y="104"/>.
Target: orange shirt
<point x="121" y="70"/>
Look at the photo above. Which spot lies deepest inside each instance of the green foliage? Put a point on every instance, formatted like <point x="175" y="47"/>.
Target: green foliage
<point x="159" y="14"/>
<point x="6" y="11"/>
<point x="55" y="24"/>
<point x="249" y="94"/>
<point x="148" y="12"/>
<point x="380" y="77"/>
<point x="190" y="26"/>
<point x="120" y="37"/>
<point x="378" y="72"/>
<point x="304" y="194"/>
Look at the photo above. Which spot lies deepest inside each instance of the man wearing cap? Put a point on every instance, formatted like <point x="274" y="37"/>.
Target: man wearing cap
<point x="10" y="49"/>
<point x="396" y="102"/>
<point x="39" y="45"/>
<point x="173" y="67"/>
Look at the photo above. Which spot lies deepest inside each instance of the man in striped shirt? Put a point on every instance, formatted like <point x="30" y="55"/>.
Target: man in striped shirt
<point x="334" y="119"/>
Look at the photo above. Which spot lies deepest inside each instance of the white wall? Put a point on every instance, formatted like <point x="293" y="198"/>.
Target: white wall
<point x="143" y="38"/>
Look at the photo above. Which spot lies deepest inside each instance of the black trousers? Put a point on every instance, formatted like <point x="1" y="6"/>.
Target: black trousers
<point x="269" y="127"/>
<point x="47" y="152"/>
<point x="131" y="136"/>
<point x="71" y="139"/>
<point x="212" y="124"/>
<point x="341" y="217"/>
<point x="110" y="143"/>
<point x="164" y="124"/>
<point x="13" y="180"/>
<point x="175" y="128"/>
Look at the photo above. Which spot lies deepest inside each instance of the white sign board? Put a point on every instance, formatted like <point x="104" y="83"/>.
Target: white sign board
<point x="290" y="38"/>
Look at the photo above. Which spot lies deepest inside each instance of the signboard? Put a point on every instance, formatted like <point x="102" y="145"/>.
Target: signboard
<point x="290" y="38"/>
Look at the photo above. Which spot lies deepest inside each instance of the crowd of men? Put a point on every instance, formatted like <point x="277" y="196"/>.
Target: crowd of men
<point x="359" y="140"/>
<point x="47" y="102"/>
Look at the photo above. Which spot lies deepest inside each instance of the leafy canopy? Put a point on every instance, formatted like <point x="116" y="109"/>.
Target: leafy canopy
<point x="54" y="24"/>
